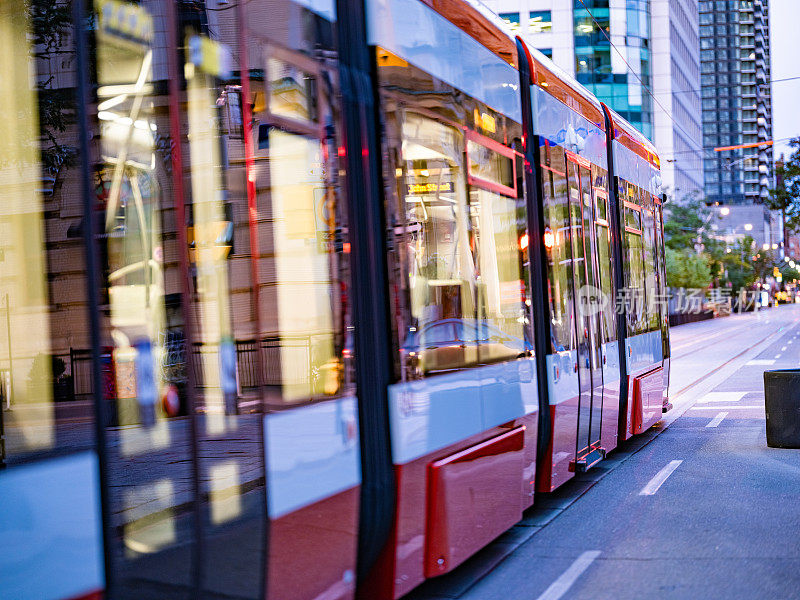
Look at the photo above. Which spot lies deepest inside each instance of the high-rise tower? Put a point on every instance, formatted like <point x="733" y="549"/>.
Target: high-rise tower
<point x="737" y="110"/>
<point x="655" y="50"/>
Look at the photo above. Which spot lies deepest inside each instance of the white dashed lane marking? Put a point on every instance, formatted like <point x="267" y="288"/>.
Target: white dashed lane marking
<point x="722" y="397"/>
<point x="733" y="407"/>
<point x="760" y="361"/>
<point x="561" y="585"/>
<point x="659" y="479"/>
<point x="717" y="420"/>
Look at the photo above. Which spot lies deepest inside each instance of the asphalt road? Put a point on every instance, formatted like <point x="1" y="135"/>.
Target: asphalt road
<point x="698" y="507"/>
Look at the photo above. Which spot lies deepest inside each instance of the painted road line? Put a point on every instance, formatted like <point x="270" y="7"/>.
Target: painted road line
<point x="777" y="356"/>
<point x="722" y="397"/>
<point x="657" y="481"/>
<point x="760" y="361"/>
<point x="561" y="585"/>
<point x="726" y="407"/>
<point x="717" y="420"/>
<point x="783" y="349"/>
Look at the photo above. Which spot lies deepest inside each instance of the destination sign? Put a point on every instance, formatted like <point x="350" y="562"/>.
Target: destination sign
<point x="416" y="189"/>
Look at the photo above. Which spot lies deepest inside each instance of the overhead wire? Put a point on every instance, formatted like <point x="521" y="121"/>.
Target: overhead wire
<point x="635" y="74"/>
<point x="711" y="148"/>
<point x="724" y="86"/>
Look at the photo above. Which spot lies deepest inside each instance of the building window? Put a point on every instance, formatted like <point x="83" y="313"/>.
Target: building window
<point x="541" y="20"/>
<point x="548" y="52"/>
<point x="512" y="20"/>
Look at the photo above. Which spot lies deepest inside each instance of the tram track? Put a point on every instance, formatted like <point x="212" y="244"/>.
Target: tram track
<point x="707" y="374"/>
<point x="707" y="339"/>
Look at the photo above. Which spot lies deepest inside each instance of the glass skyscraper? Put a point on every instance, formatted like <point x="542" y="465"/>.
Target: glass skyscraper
<point x="600" y="67"/>
<point x="620" y="49"/>
<point x="737" y="107"/>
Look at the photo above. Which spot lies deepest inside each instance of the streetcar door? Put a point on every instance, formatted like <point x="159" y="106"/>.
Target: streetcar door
<point x="592" y="308"/>
<point x="589" y="368"/>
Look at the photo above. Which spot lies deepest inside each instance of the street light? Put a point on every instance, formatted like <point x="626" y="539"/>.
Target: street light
<point x="774" y="246"/>
<point x="786" y="258"/>
<point x="748" y="227"/>
<point x="724" y="211"/>
<point x="765" y="246"/>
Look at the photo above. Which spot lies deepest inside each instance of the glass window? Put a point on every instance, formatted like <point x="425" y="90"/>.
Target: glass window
<point x="633" y="218"/>
<point x="633" y="257"/>
<point x="501" y="242"/>
<point x="558" y="248"/>
<point x="459" y="249"/>
<point x="540" y="20"/>
<point x="438" y="334"/>
<point x="601" y="201"/>
<point x="207" y="342"/>
<point x="512" y="20"/>
<point x="605" y="264"/>
<point x="46" y="402"/>
<point x="491" y="165"/>
<point x="650" y="257"/>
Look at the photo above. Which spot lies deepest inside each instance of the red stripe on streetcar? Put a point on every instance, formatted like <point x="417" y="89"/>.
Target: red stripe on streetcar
<point x="95" y="595"/>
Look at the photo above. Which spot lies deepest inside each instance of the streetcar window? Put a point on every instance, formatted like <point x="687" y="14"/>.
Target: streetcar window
<point x="558" y="248"/>
<point x="460" y="243"/>
<point x="498" y="233"/>
<point x="604" y="261"/>
<point x="602" y="207"/>
<point x="633" y="218"/>
<point x="650" y="283"/>
<point x="635" y="293"/>
<point x="635" y="283"/>
<point x="488" y="166"/>
<point x="261" y="325"/>
<point x="45" y="359"/>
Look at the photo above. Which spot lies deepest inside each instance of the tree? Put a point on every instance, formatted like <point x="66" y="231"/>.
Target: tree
<point x="51" y="24"/>
<point x="687" y="269"/>
<point x="694" y="258"/>
<point x="763" y="263"/>
<point x="737" y="265"/>
<point x="786" y="194"/>
<point x="684" y="223"/>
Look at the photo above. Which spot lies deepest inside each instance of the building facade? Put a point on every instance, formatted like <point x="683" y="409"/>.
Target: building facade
<point x="678" y="129"/>
<point x="655" y="47"/>
<point x="737" y="110"/>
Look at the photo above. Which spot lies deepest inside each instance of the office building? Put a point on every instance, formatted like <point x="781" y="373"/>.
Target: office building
<point x="737" y="110"/>
<point x="656" y="47"/>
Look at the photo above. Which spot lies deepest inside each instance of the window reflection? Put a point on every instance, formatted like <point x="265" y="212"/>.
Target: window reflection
<point x="541" y="20"/>
<point x="307" y="299"/>
<point x="463" y="248"/>
<point x="558" y="248"/>
<point x="223" y="276"/>
<point x="30" y="367"/>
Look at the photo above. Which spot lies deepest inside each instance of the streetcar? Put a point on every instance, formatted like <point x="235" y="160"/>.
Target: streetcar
<point x="305" y="299"/>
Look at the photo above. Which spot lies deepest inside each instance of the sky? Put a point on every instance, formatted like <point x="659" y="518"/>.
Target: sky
<point x="784" y="24"/>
